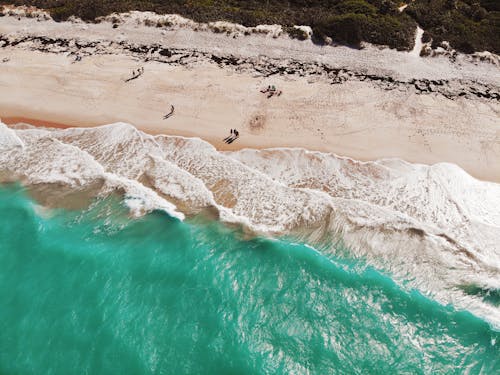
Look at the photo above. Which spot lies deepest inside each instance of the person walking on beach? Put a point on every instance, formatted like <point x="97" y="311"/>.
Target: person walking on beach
<point x="233" y="137"/>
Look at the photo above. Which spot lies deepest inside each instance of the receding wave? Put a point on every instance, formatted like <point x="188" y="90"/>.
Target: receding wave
<point x="434" y="228"/>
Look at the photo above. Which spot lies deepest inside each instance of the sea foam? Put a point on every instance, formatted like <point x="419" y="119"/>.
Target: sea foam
<point x="434" y="228"/>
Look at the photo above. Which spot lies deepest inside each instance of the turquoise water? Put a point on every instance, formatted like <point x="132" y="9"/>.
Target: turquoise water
<point x="95" y="292"/>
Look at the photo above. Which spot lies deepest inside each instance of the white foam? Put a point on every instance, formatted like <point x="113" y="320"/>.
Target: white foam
<point x="9" y="138"/>
<point x="435" y="223"/>
<point x="435" y="226"/>
<point x="46" y="159"/>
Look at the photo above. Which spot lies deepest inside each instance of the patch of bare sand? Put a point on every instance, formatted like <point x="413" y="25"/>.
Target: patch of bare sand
<point x="355" y="119"/>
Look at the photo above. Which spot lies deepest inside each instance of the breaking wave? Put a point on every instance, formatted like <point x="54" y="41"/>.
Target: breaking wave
<point x="434" y="228"/>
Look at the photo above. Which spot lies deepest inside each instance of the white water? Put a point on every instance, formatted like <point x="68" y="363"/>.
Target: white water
<point x="434" y="227"/>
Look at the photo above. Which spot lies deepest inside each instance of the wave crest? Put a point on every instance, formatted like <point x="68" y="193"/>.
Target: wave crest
<point x="433" y="226"/>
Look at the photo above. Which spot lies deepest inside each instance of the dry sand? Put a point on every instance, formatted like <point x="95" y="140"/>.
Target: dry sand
<point x="355" y="119"/>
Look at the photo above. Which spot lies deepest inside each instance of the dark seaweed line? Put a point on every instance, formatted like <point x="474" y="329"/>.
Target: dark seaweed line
<point x="264" y="66"/>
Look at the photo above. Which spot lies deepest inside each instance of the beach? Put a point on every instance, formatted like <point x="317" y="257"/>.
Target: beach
<point x="359" y="117"/>
<point x="352" y="224"/>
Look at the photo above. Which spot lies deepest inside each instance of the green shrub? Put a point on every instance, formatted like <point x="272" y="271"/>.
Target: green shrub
<point x="60" y="13"/>
<point x="467" y="24"/>
<point x="491" y="5"/>
<point x="394" y="32"/>
<point x="296" y="33"/>
<point x="355" y="7"/>
<point x="346" y="28"/>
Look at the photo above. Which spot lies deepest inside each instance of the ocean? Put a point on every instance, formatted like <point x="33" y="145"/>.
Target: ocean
<point x="95" y="290"/>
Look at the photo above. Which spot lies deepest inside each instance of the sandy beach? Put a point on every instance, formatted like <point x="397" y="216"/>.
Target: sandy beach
<point x="357" y="118"/>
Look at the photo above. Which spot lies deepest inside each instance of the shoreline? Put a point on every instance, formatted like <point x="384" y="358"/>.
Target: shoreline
<point x="392" y="105"/>
<point x="365" y="105"/>
<point x="221" y="146"/>
<point x="447" y="220"/>
<point x="33" y="122"/>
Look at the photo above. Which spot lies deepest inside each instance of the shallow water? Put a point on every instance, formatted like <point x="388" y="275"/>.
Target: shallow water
<point x="433" y="227"/>
<point x="96" y="292"/>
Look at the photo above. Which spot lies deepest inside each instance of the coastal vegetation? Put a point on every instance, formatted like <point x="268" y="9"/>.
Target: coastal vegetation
<point x="468" y="25"/>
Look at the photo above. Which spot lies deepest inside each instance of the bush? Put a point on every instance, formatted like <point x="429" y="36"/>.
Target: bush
<point x="60" y="13"/>
<point x="491" y="5"/>
<point x="395" y="32"/>
<point x="466" y="24"/>
<point x="346" y="28"/>
<point x="355" y="7"/>
<point x="352" y="29"/>
<point x="296" y="33"/>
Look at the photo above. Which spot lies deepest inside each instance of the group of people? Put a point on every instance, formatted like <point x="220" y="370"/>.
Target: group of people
<point x="271" y="91"/>
<point x="136" y="74"/>
<point x="233" y="137"/>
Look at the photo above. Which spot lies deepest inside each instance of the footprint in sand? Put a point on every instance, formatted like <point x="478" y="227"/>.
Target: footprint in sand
<point x="257" y="123"/>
